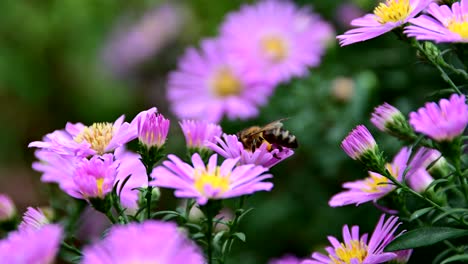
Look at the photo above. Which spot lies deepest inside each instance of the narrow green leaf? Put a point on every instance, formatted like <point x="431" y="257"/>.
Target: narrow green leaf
<point x="448" y="212"/>
<point x="419" y="213"/>
<point x="217" y="238"/>
<point x="455" y="258"/>
<point x="424" y="236"/>
<point x="240" y="236"/>
<point x="434" y="183"/>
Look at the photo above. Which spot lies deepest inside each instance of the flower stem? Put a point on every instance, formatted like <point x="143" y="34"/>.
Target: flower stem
<point x="111" y="217"/>
<point x="71" y="248"/>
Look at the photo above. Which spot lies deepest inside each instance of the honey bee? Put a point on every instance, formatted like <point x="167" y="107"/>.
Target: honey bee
<point x="273" y="134"/>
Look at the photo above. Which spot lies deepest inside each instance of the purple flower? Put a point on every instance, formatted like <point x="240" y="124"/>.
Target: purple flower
<point x="33" y="218"/>
<point x="373" y="187"/>
<point x="132" y="43"/>
<point x="347" y="12"/>
<point x="418" y="177"/>
<point x="7" y="208"/>
<point x="231" y="148"/>
<point x="359" y="142"/>
<point x="441" y="122"/>
<point x="151" y="242"/>
<point x="31" y="245"/>
<point x="386" y="17"/>
<point x="210" y="181"/>
<point x="152" y="128"/>
<point x="209" y="84"/>
<point x="277" y="39"/>
<point x="94" y="178"/>
<point x="83" y="141"/>
<point x="441" y="24"/>
<point x="385" y="115"/>
<point x="60" y="169"/>
<point x="355" y="249"/>
<point x="198" y="133"/>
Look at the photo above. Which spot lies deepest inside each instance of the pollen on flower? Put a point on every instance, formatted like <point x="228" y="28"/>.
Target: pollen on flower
<point x="274" y="48"/>
<point x="215" y="181"/>
<point x="393" y="11"/>
<point x="377" y="181"/>
<point x="225" y="83"/>
<point x="459" y="27"/>
<point x="98" y="135"/>
<point x="353" y="250"/>
<point x="99" y="183"/>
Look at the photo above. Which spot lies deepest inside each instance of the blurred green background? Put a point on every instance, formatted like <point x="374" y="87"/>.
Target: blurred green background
<point x="57" y="65"/>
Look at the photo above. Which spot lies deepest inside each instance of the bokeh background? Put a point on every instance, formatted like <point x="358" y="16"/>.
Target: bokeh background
<point x="91" y="61"/>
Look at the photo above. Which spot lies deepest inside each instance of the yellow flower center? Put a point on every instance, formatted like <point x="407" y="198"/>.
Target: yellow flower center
<point x="393" y="11"/>
<point x="98" y="135"/>
<point x="225" y="83"/>
<point x="459" y="27"/>
<point x="353" y="250"/>
<point x="375" y="181"/>
<point x="274" y="48"/>
<point x="214" y="181"/>
<point x="99" y="183"/>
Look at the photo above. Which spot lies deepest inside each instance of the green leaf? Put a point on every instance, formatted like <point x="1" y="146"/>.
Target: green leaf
<point x="455" y="258"/>
<point x="419" y="213"/>
<point x="449" y="212"/>
<point x="424" y="236"/>
<point x="240" y="236"/>
<point x="434" y="183"/>
<point x="217" y="238"/>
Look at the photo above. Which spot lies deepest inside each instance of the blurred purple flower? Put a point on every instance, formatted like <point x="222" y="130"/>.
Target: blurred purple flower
<point x="288" y="259"/>
<point x="83" y="141"/>
<point x="346" y="12"/>
<point x="210" y="181"/>
<point x="386" y="17"/>
<point x="418" y="177"/>
<point x="33" y="218"/>
<point x="441" y="24"/>
<point x="276" y="39"/>
<point x="230" y="147"/>
<point x="7" y="208"/>
<point x="441" y="122"/>
<point x="355" y="249"/>
<point x="208" y="85"/>
<point x="151" y="127"/>
<point x="150" y="242"/>
<point x="197" y="133"/>
<point x="31" y="245"/>
<point x="133" y="43"/>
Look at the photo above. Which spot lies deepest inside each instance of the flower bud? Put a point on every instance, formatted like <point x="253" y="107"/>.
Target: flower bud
<point x="390" y="120"/>
<point x="152" y="128"/>
<point x="7" y="208"/>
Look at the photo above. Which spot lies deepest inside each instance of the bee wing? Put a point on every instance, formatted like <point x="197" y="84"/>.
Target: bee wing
<point x="270" y="126"/>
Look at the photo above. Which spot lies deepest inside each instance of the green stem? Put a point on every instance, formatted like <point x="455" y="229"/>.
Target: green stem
<point x="71" y="248"/>
<point x="149" y="193"/>
<point x="111" y="217"/>
<point x="209" y="238"/>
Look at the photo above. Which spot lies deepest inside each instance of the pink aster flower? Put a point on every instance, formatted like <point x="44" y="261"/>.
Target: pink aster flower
<point x="210" y="181"/>
<point x="208" y="84"/>
<point x="418" y="177"/>
<point x="33" y="218"/>
<point x="198" y="133"/>
<point x="358" y="249"/>
<point x="441" y="122"/>
<point x="80" y="140"/>
<point x="230" y="147"/>
<point x="152" y="128"/>
<point x="94" y="178"/>
<point x="386" y="17"/>
<point x="60" y="169"/>
<point x="7" y="208"/>
<point x="385" y="115"/>
<point x="441" y="24"/>
<point x="359" y="142"/>
<point x="31" y="245"/>
<point x="277" y="39"/>
<point x="373" y="187"/>
<point x="152" y="242"/>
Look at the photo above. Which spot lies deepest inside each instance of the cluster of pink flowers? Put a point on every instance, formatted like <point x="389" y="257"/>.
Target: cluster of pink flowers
<point x="439" y="23"/>
<point x="258" y="47"/>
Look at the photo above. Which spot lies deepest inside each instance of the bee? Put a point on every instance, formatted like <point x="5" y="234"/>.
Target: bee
<point x="273" y="134"/>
